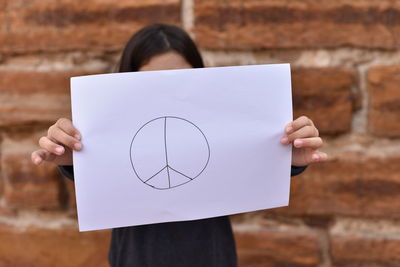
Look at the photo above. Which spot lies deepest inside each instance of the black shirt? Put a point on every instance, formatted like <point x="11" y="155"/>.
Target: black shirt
<point x="197" y="243"/>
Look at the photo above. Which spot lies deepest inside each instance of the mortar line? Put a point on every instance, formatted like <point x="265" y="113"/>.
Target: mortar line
<point x="323" y="240"/>
<point x="187" y="16"/>
<point x="360" y="117"/>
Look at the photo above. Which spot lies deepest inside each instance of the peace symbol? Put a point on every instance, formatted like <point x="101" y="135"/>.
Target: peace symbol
<point x="168" y="152"/>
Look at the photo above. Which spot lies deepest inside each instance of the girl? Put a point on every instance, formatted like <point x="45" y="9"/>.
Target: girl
<point x="202" y="243"/>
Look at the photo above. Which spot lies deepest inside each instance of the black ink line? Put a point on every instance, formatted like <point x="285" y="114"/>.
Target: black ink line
<point x="166" y="151"/>
<point x="155" y="174"/>
<point x="169" y="180"/>
<point x="131" y="146"/>
<point x="205" y="138"/>
<point x="165" y="141"/>
<point x="131" y="152"/>
<point x="180" y="173"/>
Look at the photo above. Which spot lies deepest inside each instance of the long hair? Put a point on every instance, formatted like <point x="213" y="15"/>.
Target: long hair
<point x="157" y="39"/>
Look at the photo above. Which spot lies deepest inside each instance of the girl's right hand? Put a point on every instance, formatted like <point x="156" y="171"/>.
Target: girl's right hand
<point x="57" y="146"/>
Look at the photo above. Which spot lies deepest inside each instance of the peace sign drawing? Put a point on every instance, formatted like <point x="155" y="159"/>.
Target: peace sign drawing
<point x="168" y="152"/>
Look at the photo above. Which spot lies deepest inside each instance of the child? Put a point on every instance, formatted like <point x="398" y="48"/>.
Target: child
<point x="202" y="243"/>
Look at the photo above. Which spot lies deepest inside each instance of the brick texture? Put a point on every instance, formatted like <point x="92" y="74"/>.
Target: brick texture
<point x="372" y="245"/>
<point x="85" y="25"/>
<point x="70" y="195"/>
<point x="64" y="247"/>
<point x="384" y="100"/>
<point x="274" y="246"/>
<point x="255" y="24"/>
<point x="345" y="58"/>
<point x="34" y="96"/>
<point x="27" y="186"/>
<point x="326" y="96"/>
<point x="356" y="187"/>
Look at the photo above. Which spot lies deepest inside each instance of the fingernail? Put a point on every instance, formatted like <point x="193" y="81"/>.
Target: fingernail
<point x="77" y="146"/>
<point x="315" y="157"/>
<point x="59" y="149"/>
<point x="77" y="136"/>
<point x="38" y="160"/>
<point x="289" y="129"/>
<point x="284" y="140"/>
<point x="298" y="142"/>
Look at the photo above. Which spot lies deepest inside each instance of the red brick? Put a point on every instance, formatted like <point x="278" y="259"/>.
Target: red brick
<point x="356" y="187"/>
<point x="40" y="247"/>
<point x="27" y="186"/>
<point x="45" y="25"/>
<point x="255" y="24"/>
<point x="325" y="95"/>
<point x="278" y="246"/>
<point x="31" y="96"/>
<point x="384" y="100"/>
<point x="71" y="197"/>
<point x="357" y="245"/>
<point x="31" y="82"/>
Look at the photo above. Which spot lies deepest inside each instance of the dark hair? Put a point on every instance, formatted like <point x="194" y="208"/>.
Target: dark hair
<point x="157" y="39"/>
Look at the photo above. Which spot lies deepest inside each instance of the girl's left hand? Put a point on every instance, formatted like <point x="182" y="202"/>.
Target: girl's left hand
<point x="306" y="142"/>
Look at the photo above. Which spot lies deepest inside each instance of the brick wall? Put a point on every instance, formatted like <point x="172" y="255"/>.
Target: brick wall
<point x="346" y="74"/>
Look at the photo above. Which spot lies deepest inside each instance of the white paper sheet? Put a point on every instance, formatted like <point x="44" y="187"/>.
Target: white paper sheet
<point x="174" y="145"/>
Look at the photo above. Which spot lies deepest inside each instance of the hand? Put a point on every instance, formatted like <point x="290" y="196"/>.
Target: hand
<point x="306" y="142"/>
<point x="57" y="146"/>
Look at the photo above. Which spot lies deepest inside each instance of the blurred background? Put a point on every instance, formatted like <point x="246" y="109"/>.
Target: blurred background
<point x="345" y="58"/>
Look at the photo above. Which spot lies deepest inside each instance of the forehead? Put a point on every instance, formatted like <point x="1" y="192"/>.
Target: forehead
<point x="166" y="61"/>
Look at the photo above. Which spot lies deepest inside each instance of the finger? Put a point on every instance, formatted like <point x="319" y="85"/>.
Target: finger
<point x="41" y="155"/>
<point x="66" y="125"/>
<point x="57" y="135"/>
<point x="319" y="156"/>
<point x="37" y="156"/>
<point x="305" y="132"/>
<point x="312" y="142"/>
<point x="50" y="146"/>
<point x="297" y="124"/>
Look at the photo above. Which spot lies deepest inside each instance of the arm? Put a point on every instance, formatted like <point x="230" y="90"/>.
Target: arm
<point x="67" y="171"/>
<point x="296" y="170"/>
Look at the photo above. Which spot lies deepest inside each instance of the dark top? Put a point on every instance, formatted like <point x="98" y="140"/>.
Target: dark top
<point x="198" y="243"/>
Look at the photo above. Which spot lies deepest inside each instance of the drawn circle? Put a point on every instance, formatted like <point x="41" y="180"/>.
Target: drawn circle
<point x="167" y="152"/>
